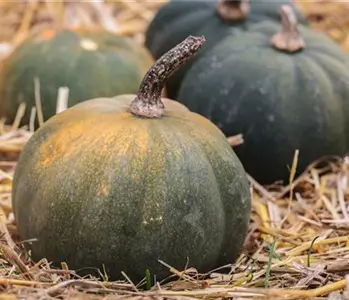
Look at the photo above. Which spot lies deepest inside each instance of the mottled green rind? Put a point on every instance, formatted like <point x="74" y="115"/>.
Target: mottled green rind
<point x="116" y="67"/>
<point x="178" y="19"/>
<point x="280" y="102"/>
<point x="86" y="186"/>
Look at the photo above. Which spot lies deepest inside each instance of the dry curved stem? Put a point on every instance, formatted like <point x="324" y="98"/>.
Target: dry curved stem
<point x="148" y="101"/>
<point x="233" y="10"/>
<point x="289" y="38"/>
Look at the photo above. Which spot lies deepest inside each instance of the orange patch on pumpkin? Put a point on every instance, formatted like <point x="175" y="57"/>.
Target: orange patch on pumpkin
<point x="73" y="28"/>
<point x="51" y="152"/>
<point x="48" y="34"/>
<point x="48" y="160"/>
<point x="62" y="143"/>
<point x="105" y="189"/>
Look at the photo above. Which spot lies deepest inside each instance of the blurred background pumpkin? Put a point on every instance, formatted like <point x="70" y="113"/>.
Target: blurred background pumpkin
<point x="213" y="19"/>
<point x="90" y="63"/>
<point x="283" y="87"/>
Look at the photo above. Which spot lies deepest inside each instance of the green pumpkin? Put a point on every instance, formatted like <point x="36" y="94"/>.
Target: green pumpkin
<point x="213" y="19"/>
<point x="90" y="63"/>
<point x="282" y="90"/>
<point x="122" y="182"/>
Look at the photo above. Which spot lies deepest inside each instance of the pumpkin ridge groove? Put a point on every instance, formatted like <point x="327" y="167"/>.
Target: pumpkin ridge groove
<point x="319" y="116"/>
<point x="72" y="66"/>
<point x="323" y="69"/>
<point x="331" y="73"/>
<point x="187" y="137"/>
<point x="217" y="173"/>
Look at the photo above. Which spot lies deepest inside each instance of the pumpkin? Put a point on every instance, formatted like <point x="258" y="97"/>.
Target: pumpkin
<point x="282" y="90"/>
<point x="213" y="19"/>
<point x="91" y="63"/>
<point x="122" y="182"/>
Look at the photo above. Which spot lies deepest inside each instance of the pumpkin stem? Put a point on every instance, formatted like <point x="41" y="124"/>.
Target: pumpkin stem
<point x="233" y="10"/>
<point x="148" y="101"/>
<point x="289" y="38"/>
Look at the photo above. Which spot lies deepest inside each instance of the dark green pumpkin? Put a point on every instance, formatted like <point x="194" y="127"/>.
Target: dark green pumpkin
<point x="124" y="182"/>
<point x="279" y="99"/>
<point x="213" y="19"/>
<point x="90" y="63"/>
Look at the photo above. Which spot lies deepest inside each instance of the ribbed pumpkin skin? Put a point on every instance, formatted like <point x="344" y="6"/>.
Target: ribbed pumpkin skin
<point x="178" y="19"/>
<point x="91" y="63"/>
<point x="97" y="185"/>
<point x="280" y="102"/>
